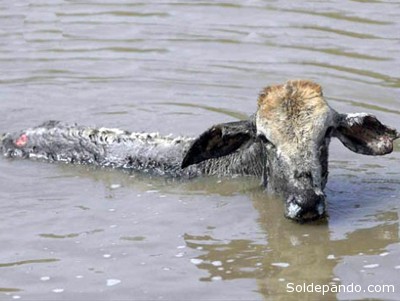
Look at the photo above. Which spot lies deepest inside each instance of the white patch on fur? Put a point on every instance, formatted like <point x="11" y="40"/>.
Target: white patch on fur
<point x="36" y="131"/>
<point x="355" y="118"/>
<point x="293" y="210"/>
<point x="383" y="143"/>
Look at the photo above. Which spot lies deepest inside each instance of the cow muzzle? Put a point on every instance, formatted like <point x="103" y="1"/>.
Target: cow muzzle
<point x="305" y="207"/>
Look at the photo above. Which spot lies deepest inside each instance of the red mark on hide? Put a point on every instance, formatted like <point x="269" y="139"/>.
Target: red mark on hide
<point x="21" y="141"/>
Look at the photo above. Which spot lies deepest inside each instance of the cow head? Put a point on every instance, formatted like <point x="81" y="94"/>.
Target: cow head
<point x="295" y="125"/>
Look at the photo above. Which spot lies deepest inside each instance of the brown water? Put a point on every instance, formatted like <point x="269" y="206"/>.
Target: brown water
<point x="79" y="233"/>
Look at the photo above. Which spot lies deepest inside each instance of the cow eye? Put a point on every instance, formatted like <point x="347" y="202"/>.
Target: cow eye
<point x="329" y="132"/>
<point x="263" y="138"/>
<point x="265" y="141"/>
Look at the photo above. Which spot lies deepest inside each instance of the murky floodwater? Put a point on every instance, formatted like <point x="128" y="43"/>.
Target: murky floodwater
<point x="79" y="233"/>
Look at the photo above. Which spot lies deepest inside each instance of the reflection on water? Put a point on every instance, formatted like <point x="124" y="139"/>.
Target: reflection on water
<point x="283" y="252"/>
<point x="290" y="254"/>
<point x="179" y="67"/>
<point x="217" y="236"/>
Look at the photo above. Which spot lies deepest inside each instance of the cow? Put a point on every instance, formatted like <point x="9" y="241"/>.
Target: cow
<point x="285" y="143"/>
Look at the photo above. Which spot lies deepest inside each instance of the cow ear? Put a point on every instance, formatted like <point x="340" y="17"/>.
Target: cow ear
<point x="365" y="134"/>
<point x="220" y="140"/>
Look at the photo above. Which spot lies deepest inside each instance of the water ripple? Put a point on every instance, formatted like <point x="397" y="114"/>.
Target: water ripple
<point x="32" y="261"/>
<point x="386" y="79"/>
<point x="339" y="16"/>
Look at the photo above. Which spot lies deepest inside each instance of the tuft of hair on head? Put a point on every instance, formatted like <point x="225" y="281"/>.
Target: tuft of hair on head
<point x="303" y="89"/>
<point x="292" y="89"/>
<point x="270" y="92"/>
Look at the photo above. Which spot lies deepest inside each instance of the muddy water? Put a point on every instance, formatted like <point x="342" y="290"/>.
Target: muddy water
<point x="79" y="233"/>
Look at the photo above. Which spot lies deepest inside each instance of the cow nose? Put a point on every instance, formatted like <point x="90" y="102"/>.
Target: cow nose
<point x="304" y="208"/>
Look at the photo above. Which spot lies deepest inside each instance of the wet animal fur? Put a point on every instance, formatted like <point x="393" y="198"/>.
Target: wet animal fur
<point x="55" y="141"/>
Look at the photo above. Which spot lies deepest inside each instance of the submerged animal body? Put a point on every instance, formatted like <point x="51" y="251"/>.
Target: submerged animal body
<point x="55" y="141"/>
<point x="285" y="143"/>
